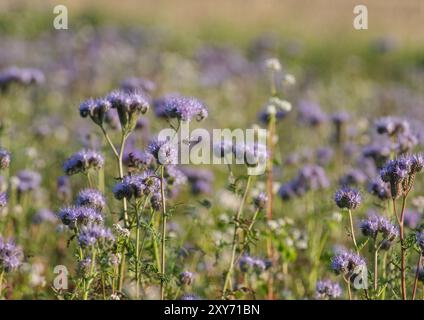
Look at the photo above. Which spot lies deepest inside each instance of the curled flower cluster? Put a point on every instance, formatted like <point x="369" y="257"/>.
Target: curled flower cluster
<point x="82" y="161"/>
<point x="400" y="173"/>
<point x="10" y="255"/>
<point x="374" y="225"/>
<point x="129" y="106"/>
<point x="347" y="198"/>
<point x="310" y="177"/>
<point x="96" y="109"/>
<point x="91" y="198"/>
<point x="326" y="289"/>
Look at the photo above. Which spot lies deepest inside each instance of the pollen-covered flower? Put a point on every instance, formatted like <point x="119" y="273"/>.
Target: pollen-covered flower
<point x="10" y="255"/>
<point x="82" y="161"/>
<point x="4" y="159"/>
<point x="91" y="198"/>
<point x="347" y="198"/>
<point x="326" y="289"/>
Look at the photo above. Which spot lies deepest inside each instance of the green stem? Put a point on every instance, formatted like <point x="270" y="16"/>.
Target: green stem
<point x="352" y="232"/>
<point x="163" y="258"/>
<point x="234" y="243"/>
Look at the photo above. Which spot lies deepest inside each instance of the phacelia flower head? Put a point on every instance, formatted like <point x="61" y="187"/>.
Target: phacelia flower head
<point x="4" y="159"/>
<point x="374" y="225"/>
<point x="347" y="198"/>
<point x="163" y="151"/>
<point x="246" y="263"/>
<point x="44" y="215"/>
<point x="346" y="263"/>
<point x="28" y="180"/>
<point x="326" y="289"/>
<point x="20" y="76"/>
<point x="353" y="177"/>
<point x="137" y="185"/>
<point x="395" y="172"/>
<point x="185" y="108"/>
<point x="135" y="84"/>
<point x="420" y="240"/>
<point x="96" y="109"/>
<point x="129" y="105"/>
<point x="91" y="198"/>
<point x="391" y="126"/>
<point x="186" y="278"/>
<point x="260" y="200"/>
<point x="10" y="255"/>
<point x="94" y="234"/>
<point x="3" y="200"/>
<point x="82" y="161"/>
<point x="310" y="113"/>
<point x="72" y="216"/>
<point x="380" y="189"/>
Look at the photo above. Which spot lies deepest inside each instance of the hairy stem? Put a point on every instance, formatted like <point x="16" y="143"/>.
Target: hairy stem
<point x="163" y="245"/>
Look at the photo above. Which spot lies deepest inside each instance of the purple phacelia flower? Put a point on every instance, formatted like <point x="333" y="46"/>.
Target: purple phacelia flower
<point x="96" y="109"/>
<point x="44" y="215"/>
<point x="347" y="198"/>
<point x="77" y="216"/>
<point x="135" y="84"/>
<point x="326" y="289"/>
<point x="420" y="240"/>
<point x="311" y="114"/>
<point x="10" y="255"/>
<point x="391" y="126"/>
<point x="94" y="234"/>
<point x="412" y="219"/>
<point x="380" y="189"/>
<point x="91" y="198"/>
<point x="353" y="177"/>
<point x="21" y="76"/>
<point x="186" y="278"/>
<point x="374" y="225"/>
<point x="28" y="180"/>
<point x="260" y="201"/>
<point x="3" y="200"/>
<point x="129" y="105"/>
<point x="137" y="185"/>
<point x="82" y="161"/>
<point x="185" y="108"/>
<point x="346" y="263"/>
<point x="163" y="151"/>
<point x="4" y="159"/>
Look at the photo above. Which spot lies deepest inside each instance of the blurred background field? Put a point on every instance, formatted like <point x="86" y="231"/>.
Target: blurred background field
<point x="213" y="50"/>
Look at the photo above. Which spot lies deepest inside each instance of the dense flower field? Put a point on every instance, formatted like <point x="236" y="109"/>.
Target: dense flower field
<point x="96" y="204"/>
